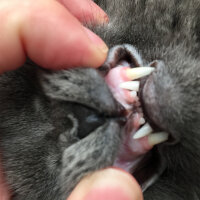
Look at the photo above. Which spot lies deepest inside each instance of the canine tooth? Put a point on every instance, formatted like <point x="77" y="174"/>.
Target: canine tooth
<point x="139" y="72"/>
<point x="130" y="85"/>
<point x="143" y="131"/>
<point x="157" y="138"/>
<point x="133" y="94"/>
<point x="141" y="121"/>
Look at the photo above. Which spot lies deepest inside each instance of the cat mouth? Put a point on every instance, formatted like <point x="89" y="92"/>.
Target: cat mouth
<point x="138" y="138"/>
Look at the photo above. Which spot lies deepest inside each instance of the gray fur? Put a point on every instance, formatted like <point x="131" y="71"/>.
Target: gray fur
<point x="43" y="154"/>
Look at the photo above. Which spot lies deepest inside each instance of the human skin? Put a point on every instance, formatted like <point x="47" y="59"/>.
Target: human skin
<point x="51" y="34"/>
<point x="111" y="183"/>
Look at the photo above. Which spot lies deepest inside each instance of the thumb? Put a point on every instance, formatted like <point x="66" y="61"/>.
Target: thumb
<point x="109" y="184"/>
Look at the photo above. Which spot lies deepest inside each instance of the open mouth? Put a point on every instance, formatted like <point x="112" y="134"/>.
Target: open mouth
<point x="123" y="70"/>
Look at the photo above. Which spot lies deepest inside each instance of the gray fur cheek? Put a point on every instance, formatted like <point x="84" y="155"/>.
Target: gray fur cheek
<point x="94" y="152"/>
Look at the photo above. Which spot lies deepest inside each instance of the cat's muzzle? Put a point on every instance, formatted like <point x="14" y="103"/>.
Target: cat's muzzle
<point x="125" y="73"/>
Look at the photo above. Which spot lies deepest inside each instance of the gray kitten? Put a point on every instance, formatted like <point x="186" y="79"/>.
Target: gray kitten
<point x="56" y="127"/>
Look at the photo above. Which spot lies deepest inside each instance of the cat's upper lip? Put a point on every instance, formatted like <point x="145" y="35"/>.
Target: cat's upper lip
<point x="155" y="124"/>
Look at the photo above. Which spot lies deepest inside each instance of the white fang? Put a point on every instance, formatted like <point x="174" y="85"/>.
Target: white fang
<point x="130" y="85"/>
<point x="143" y="131"/>
<point x="138" y="72"/>
<point x="157" y="138"/>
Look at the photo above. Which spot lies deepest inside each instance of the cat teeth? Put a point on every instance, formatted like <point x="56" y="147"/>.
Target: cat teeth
<point x="138" y="72"/>
<point x="130" y="85"/>
<point x="157" y="138"/>
<point x="133" y="94"/>
<point x="141" y="121"/>
<point x="143" y="131"/>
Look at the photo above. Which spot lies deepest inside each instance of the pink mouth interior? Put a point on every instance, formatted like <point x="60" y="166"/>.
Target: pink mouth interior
<point x="131" y="150"/>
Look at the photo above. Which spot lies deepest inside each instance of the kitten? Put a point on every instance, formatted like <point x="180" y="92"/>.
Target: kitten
<point x="56" y="127"/>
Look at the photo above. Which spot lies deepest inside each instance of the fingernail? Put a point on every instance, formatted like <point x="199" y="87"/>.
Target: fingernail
<point x="103" y="19"/>
<point x="107" y="193"/>
<point x="97" y="41"/>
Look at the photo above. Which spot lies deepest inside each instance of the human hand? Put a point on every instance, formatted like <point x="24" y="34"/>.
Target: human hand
<point x="50" y="33"/>
<point x="109" y="184"/>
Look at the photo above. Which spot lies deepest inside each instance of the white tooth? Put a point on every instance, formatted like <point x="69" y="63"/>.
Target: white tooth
<point x="133" y="94"/>
<point x="138" y="72"/>
<point x="141" y="121"/>
<point x="143" y="131"/>
<point x="157" y="138"/>
<point x="130" y="85"/>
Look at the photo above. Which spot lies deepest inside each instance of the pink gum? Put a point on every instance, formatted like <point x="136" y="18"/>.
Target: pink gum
<point x="114" y="78"/>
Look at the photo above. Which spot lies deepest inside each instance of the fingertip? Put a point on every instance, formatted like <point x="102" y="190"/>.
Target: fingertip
<point x="109" y="184"/>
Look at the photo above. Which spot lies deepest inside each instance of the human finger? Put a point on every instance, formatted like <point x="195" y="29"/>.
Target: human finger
<point x="4" y="194"/>
<point x="86" y="11"/>
<point x="47" y="33"/>
<point x="109" y="184"/>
